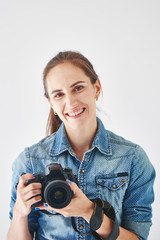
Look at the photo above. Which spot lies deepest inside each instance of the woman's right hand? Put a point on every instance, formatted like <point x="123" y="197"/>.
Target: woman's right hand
<point x="26" y="195"/>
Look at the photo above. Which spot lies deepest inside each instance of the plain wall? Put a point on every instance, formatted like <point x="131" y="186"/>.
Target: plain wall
<point x="120" y="38"/>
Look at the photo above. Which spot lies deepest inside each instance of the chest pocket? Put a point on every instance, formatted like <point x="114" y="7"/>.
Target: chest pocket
<point x="112" y="188"/>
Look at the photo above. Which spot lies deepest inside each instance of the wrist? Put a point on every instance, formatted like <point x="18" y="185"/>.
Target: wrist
<point x="18" y="213"/>
<point x="89" y="210"/>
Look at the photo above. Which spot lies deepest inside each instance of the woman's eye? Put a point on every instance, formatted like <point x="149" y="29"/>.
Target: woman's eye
<point x="58" y="95"/>
<point x="78" y="88"/>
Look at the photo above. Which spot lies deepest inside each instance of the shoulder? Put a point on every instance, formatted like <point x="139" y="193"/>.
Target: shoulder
<point x="119" y="140"/>
<point x="120" y="144"/>
<point x="39" y="150"/>
<point x="140" y="162"/>
<point x="116" y="144"/>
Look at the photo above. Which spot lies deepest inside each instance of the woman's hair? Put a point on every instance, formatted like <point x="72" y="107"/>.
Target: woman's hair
<point x="76" y="59"/>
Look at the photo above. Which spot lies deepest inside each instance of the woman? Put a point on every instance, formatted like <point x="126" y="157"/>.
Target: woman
<point x="107" y="166"/>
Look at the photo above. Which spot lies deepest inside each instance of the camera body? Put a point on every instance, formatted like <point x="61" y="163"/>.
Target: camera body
<point x="55" y="190"/>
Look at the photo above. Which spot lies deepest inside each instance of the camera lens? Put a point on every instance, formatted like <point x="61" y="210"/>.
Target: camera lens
<point x="58" y="194"/>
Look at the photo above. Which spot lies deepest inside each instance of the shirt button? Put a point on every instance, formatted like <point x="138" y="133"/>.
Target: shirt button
<point x="81" y="227"/>
<point x="123" y="180"/>
<point x="114" y="186"/>
<point x="82" y="171"/>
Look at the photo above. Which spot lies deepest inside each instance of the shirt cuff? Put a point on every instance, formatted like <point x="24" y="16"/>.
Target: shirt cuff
<point x="141" y="229"/>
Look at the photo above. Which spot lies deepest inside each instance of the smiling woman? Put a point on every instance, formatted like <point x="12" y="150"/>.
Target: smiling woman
<point x="73" y="96"/>
<point x="111" y="190"/>
<point x="71" y="66"/>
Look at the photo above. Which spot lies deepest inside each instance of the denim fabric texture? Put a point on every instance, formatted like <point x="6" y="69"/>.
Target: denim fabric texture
<point x="114" y="169"/>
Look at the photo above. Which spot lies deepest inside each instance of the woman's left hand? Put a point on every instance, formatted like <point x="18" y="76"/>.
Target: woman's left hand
<point x="80" y="205"/>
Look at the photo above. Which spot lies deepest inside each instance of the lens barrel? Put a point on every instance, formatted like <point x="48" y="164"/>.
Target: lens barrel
<point x="58" y="194"/>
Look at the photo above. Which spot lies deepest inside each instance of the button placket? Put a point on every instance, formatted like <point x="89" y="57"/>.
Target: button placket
<point x="81" y="227"/>
<point x="81" y="224"/>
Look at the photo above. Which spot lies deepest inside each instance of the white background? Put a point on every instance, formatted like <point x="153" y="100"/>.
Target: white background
<point x="122" y="40"/>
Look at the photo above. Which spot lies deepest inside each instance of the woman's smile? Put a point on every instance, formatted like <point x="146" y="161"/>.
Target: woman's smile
<point x="76" y="113"/>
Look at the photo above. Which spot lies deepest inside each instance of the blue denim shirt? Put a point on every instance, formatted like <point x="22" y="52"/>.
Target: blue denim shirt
<point x="114" y="169"/>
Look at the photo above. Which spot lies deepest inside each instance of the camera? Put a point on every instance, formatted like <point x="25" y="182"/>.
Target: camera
<point x="55" y="191"/>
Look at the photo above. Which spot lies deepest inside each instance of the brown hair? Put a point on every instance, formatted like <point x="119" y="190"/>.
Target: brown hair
<point x="76" y="59"/>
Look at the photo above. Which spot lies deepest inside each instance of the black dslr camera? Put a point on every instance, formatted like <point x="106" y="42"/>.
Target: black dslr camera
<point x="55" y="191"/>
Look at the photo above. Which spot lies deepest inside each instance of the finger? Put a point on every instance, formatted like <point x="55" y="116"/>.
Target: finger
<point x="32" y="194"/>
<point x="76" y="190"/>
<point x="31" y="189"/>
<point x="34" y="200"/>
<point x="44" y="207"/>
<point x="47" y="207"/>
<point x="23" y="179"/>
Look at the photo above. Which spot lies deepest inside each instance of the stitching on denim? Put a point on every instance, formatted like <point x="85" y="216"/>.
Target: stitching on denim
<point x="122" y="156"/>
<point x="125" y="142"/>
<point x="27" y="153"/>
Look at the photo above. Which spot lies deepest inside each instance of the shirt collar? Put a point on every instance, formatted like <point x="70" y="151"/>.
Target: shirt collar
<point x="60" y="142"/>
<point x="101" y="141"/>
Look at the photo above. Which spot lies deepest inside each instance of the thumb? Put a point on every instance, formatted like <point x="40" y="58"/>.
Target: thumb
<point x="76" y="190"/>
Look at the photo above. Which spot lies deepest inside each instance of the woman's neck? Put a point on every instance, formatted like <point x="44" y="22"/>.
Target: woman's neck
<point x="81" y="139"/>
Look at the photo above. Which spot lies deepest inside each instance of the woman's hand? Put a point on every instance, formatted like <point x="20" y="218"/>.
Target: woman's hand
<point x="80" y="205"/>
<point x="26" y="195"/>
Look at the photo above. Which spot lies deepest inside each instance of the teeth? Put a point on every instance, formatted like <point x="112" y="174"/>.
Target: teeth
<point x="72" y="114"/>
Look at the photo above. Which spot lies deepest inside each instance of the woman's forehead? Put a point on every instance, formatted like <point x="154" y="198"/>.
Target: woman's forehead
<point x="66" y="71"/>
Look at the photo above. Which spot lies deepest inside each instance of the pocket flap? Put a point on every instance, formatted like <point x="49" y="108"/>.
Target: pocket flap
<point x="112" y="181"/>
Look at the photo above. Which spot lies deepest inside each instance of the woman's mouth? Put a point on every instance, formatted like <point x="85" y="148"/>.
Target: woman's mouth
<point x="76" y="113"/>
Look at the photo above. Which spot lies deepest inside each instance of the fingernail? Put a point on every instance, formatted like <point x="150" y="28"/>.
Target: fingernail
<point x="34" y="175"/>
<point x="37" y="209"/>
<point x="69" y="181"/>
<point x="45" y="204"/>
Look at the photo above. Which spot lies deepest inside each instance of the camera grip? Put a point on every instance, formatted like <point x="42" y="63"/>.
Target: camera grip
<point x="35" y="180"/>
<point x="29" y="181"/>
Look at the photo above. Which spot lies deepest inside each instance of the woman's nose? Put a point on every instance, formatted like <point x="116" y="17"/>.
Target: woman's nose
<point x="70" y="100"/>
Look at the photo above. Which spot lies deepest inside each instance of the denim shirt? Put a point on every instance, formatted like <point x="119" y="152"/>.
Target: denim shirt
<point x="114" y="169"/>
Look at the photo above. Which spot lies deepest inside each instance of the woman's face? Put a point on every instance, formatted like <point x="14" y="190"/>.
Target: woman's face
<point x="72" y="95"/>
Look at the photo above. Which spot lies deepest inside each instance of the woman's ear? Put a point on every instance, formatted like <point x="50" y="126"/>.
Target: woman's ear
<point x="51" y="105"/>
<point x="97" y="89"/>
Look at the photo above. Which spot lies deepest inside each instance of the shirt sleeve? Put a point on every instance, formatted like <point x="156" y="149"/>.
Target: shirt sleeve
<point x="137" y="210"/>
<point x="22" y="165"/>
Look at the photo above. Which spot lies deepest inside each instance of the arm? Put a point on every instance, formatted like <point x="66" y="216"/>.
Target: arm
<point x="81" y="206"/>
<point x="137" y="211"/>
<point x="19" y="229"/>
<point x="107" y="225"/>
<point x="139" y="196"/>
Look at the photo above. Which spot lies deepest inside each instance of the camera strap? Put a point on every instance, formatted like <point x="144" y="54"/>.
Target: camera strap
<point x="73" y="224"/>
<point x="99" y="207"/>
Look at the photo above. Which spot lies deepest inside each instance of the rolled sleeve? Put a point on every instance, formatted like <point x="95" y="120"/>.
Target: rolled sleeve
<point x="141" y="229"/>
<point x="137" y="210"/>
<point x="22" y="165"/>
